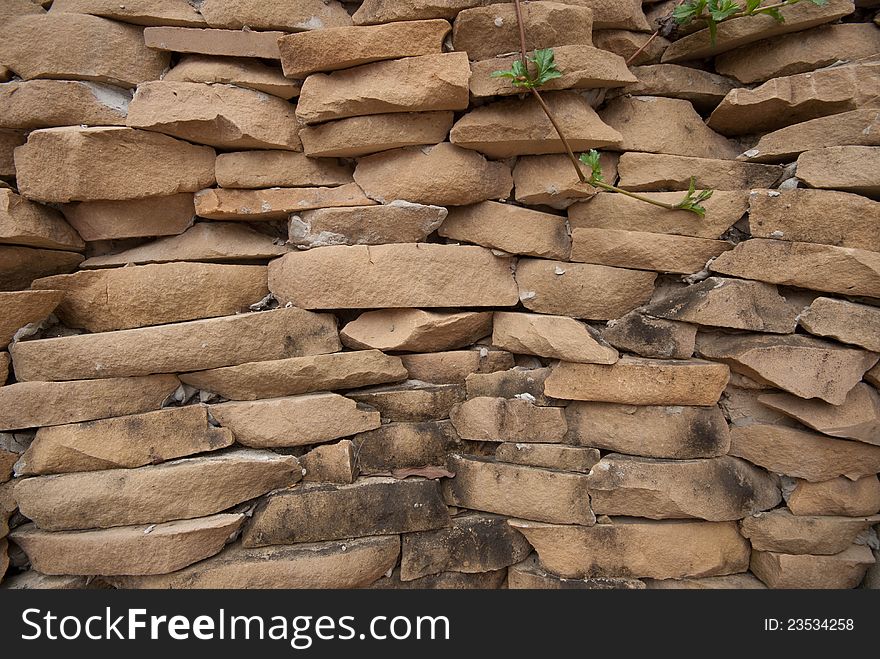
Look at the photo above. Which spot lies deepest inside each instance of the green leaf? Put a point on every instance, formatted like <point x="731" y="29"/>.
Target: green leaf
<point x="774" y="12"/>
<point x="752" y="5"/>
<point x="518" y="75"/>
<point x="723" y="9"/>
<point x="693" y="200"/>
<point x="688" y="11"/>
<point x="545" y="63"/>
<point x="591" y="160"/>
<point x="819" y="2"/>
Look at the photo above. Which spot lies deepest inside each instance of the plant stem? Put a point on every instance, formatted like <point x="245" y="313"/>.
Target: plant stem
<point x="614" y="188"/>
<point x="642" y="48"/>
<point x="522" y="34"/>
<point x="568" y="150"/>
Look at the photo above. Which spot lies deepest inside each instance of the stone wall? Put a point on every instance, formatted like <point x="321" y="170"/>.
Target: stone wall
<point x="296" y="294"/>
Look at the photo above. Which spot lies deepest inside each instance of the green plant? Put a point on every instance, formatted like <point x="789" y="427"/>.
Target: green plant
<point x="717" y="11"/>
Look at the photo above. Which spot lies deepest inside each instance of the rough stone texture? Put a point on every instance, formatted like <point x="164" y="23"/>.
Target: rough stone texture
<point x="638" y="46"/>
<point x="654" y="171"/>
<point x="485" y="32"/>
<point x="594" y="292"/>
<point x="224" y="116"/>
<point x="274" y="14"/>
<point x="78" y="47"/>
<point x="32" y="404"/>
<point x="508" y="420"/>
<point x="123" y="442"/>
<point x="85" y="164"/>
<point x="816" y="216"/>
<point x="206" y="241"/>
<point x="529" y="575"/>
<point x="582" y="67"/>
<point x="838" y="496"/>
<point x="414" y="330"/>
<point x="749" y="29"/>
<point x="192" y="346"/>
<point x="554" y="337"/>
<point x="802" y="365"/>
<point x="680" y="433"/>
<point x="799" y="53"/>
<point x="402" y="275"/>
<point x="379" y="11"/>
<point x="843" y="570"/>
<point x="702" y="88"/>
<point x="669" y="549"/>
<point x="227" y="43"/>
<point x="154" y="549"/>
<point x="142" y="12"/>
<point x="182" y="489"/>
<point x="651" y="337"/>
<point x="818" y="267"/>
<point x="405" y="445"/>
<point x="19" y="266"/>
<point x="274" y="377"/>
<point x="741" y="581"/>
<point x="336" y="48"/>
<point x="459" y="176"/>
<point x="9" y="141"/>
<point x="548" y="456"/>
<point x="683" y="134"/>
<point x="353" y="563"/>
<point x="791" y="100"/>
<point x="472" y="543"/>
<point x="281" y="169"/>
<point x="135" y="218"/>
<point x="370" y="506"/>
<point x="247" y="73"/>
<point x="509" y="228"/>
<point x="549" y="180"/>
<point x="516" y="127"/>
<point x="857" y="324"/>
<point x="429" y="82"/>
<point x="274" y="203"/>
<point x="21" y="308"/>
<point x="330" y="463"/>
<point x="412" y="400"/>
<point x="731" y="303"/>
<point x="454" y="367"/>
<point x="525" y="492"/>
<point x="847" y="168"/>
<point x="518" y="382"/>
<point x="48" y="103"/>
<point x="397" y="222"/>
<point x="124" y="298"/>
<point x="780" y="531"/>
<point x="360" y="136"/>
<point x="802" y="454"/>
<point x="294" y="421"/>
<point x="637" y="381"/>
<point x="492" y="580"/>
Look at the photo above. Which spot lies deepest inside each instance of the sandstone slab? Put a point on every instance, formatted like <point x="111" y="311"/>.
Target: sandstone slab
<point x="838" y="496"/>
<point x="278" y="169"/>
<point x="19" y="266"/>
<point x="274" y="14"/>
<point x="142" y="12"/>
<point x="35" y="104"/>
<point x="638" y="46"/>
<point x="227" y="43"/>
<point x="529" y="575"/>
<point x="274" y="203"/>
<point x="21" y="308"/>
<point x="848" y="168"/>
<point x="23" y="222"/>
<point x="856" y="324"/>
<point x="549" y="180"/>
<point x="518" y="382"/>
<point x="241" y="72"/>
<point x="414" y="330"/>
<point x="651" y="337"/>
<point x="508" y="420"/>
<point x="455" y="366"/>
<point x="493" y="580"/>
<point x="702" y="88"/>
<point x="742" y="581"/>
<point x="548" y="456"/>
<point x="405" y="445"/>
<point x="780" y="531"/>
<point x="412" y="400"/>
<point x="330" y="463"/>
<point x="646" y="172"/>
<point x="134" y="218"/>
<point x="843" y="570"/>
<point x="554" y="337"/>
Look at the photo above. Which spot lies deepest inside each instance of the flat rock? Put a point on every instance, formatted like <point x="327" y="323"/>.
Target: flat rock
<point x="205" y="241"/>
<point x="35" y="104"/>
<point x="508" y="420"/>
<point x="412" y="400"/>
<point x="651" y="337"/>
<point x="554" y="337"/>
<point x="154" y="549"/>
<point x="492" y="580"/>
<point x="370" y="506"/>
<point x="617" y="212"/>
<point x="334" y="48"/>
<point x="415" y="330"/>
<point x="19" y="266"/>
<point x="742" y="581"/>
<point x="412" y="84"/>
<point x="529" y="575"/>
<point x="287" y="376"/>
<point x="359" y="136"/>
<point x="33" y="580"/>
<point x="142" y="12"/>
<point x="843" y="570"/>
<point x="802" y="365"/>
<point x="594" y="292"/>
<point x="379" y="11"/>
<point x="838" y="496"/>
<point x="278" y="169"/>
<point x="856" y="324"/>
<point x="203" y="344"/>
<point x="818" y="267"/>
<point x="294" y="421"/>
<point x="525" y="492"/>
<point x="460" y="176"/>
<point x="680" y="433"/>
<point x="109" y="163"/>
<point x="640" y="172"/>
<point x="671" y="549"/>
<point x="399" y="221"/>
<point x="518" y="382"/>
<point x="453" y="367"/>
<point x="32" y="404"/>
<point x="550" y="180"/>
<point x="847" y="168"/>
<point x="401" y="275"/>
<point x="731" y="303"/>
<point x="800" y="53"/>
<point x="405" y="445"/>
<point x="21" y="308"/>
<point x="780" y="531"/>
<point x="516" y="127"/>
<point x="274" y="14"/>
<point x="134" y="218"/>
<point x="182" y="489"/>
<point x="330" y="463"/>
<point x="637" y="381"/>
<point x="472" y="543"/>
<point x="684" y="134"/>
<point x="227" y="43"/>
<point x="582" y="67"/>
<point x="274" y="203"/>
<point x="548" y="456"/>
<point x="803" y="454"/>
<point x="241" y="72"/>
<point x="352" y="563"/>
<point x="225" y="116"/>
<point x="123" y="442"/>
<point x="79" y="47"/>
<point x="638" y="46"/>
<point x="790" y="100"/>
<point x="702" y="88"/>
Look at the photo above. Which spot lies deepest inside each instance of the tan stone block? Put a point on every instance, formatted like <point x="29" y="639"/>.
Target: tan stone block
<point x="453" y="367"/>
<point x="141" y="12"/>
<point x="508" y="420"/>
<point x="405" y="445"/>
<point x="48" y="103"/>
<point x="134" y="218"/>
<point x="247" y="73"/>
<point x="493" y="580"/>
<point x="330" y="463"/>
<point x="412" y="400"/>
<point x="843" y="570"/>
<point x="21" y="308"/>
<point x="857" y="324"/>
<point x="702" y="88"/>
<point x="359" y="136"/>
<point x="742" y="581"/>
<point x="517" y="382"/>
<point x="848" y="168"/>
<point x="550" y="180"/>
<point x="529" y="575"/>
<point x="415" y="330"/>
<point x="780" y="531"/>
<point x="283" y="169"/>
<point x="651" y="337"/>
<point x="274" y="203"/>
<point x="640" y="47"/>
<point x="554" y="337"/>
<point x="227" y="43"/>
<point x="379" y="11"/>
<point x="645" y="172"/>
<point x="14" y="8"/>
<point x="548" y="456"/>
<point x="274" y="14"/>
<point x="19" y="266"/>
<point x="9" y="141"/>
<point x="838" y="496"/>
